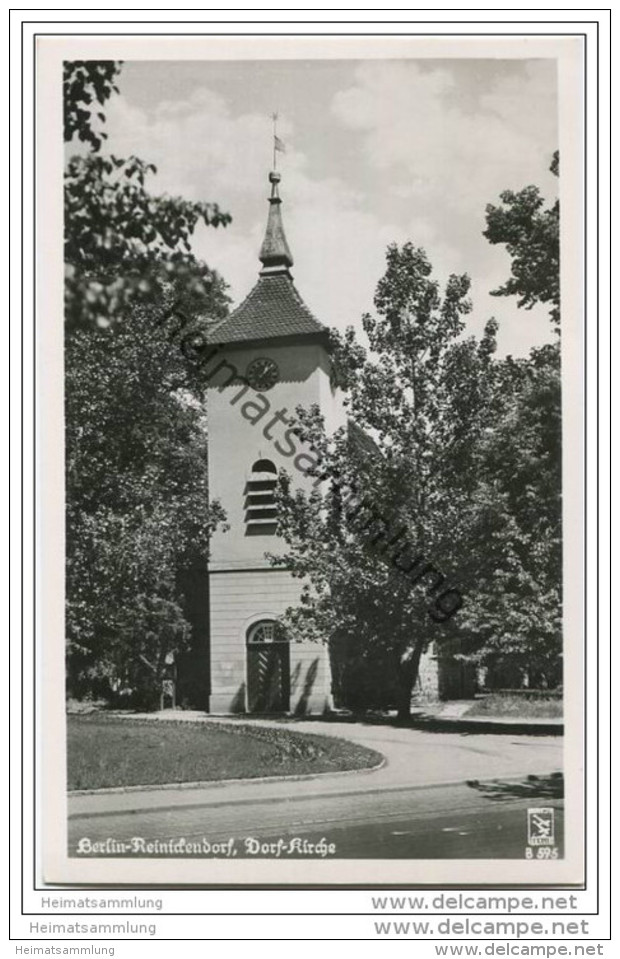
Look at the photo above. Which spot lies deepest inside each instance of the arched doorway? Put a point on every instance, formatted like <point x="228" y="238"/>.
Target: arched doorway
<point x="268" y="668"/>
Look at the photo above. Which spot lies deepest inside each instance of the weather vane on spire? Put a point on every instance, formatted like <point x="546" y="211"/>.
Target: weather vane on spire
<point x="278" y="145"/>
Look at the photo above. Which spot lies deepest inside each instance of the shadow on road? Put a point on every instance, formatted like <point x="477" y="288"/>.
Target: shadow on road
<point x="425" y="722"/>
<point x="486" y="727"/>
<point x="532" y="787"/>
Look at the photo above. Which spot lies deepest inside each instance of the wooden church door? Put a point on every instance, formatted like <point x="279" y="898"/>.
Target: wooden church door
<point x="268" y="668"/>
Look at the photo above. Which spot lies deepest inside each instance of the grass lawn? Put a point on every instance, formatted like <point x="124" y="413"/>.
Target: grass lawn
<point x="517" y="707"/>
<point x="113" y="751"/>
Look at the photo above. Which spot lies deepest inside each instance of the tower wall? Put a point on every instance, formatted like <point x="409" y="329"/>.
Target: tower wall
<point x="244" y="588"/>
<point x="239" y="435"/>
<point x="239" y="599"/>
<point x="271" y="359"/>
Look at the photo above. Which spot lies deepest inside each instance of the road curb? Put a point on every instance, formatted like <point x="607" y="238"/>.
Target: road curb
<point x="218" y="783"/>
<point x="206" y="803"/>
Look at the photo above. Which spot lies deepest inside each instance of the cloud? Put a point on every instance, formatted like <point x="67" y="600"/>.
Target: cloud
<point x="426" y="153"/>
<point x="202" y="151"/>
<point x="199" y="148"/>
<point x="445" y="141"/>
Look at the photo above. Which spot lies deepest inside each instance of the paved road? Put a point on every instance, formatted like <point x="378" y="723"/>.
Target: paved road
<point x="437" y="822"/>
<point x="438" y="796"/>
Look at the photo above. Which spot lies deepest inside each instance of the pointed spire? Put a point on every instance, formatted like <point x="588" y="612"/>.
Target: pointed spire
<point x="274" y="253"/>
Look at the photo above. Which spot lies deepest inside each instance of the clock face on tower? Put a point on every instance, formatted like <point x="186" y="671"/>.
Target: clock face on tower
<point x="262" y="373"/>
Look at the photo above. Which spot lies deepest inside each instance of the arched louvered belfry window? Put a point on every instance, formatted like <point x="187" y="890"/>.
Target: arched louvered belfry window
<point x="260" y="504"/>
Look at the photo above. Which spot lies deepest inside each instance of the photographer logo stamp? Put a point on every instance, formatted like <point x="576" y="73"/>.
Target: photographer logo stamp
<point x="540" y="827"/>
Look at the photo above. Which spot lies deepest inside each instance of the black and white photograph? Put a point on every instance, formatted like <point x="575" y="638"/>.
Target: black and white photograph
<point x="317" y="590"/>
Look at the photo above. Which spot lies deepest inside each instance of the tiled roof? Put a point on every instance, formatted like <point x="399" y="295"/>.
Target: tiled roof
<point x="272" y="309"/>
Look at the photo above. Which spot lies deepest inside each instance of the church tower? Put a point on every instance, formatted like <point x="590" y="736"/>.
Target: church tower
<point x="272" y="356"/>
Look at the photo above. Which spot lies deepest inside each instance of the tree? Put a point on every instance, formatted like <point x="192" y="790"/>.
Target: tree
<point x="138" y="514"/>
<point x="385" y="548"/>
<point x="531" y="234"/>
<point x="87" y="85"/>
<point x="138" y="518"/>
<point x="466" y="462"/>
<point x="519" y="622"/>
<point x="123" y="246"/>
<point x="516" y="613"/>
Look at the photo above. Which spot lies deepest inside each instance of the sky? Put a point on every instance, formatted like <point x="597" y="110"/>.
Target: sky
<point x="377" y="152"/>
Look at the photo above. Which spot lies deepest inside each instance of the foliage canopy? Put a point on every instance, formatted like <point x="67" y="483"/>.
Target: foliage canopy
<point x="138" y="517"/>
